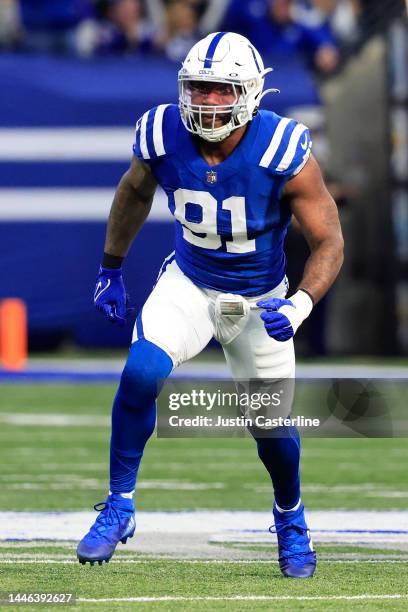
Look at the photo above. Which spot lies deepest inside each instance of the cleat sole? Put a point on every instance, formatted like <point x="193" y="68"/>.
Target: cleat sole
<point x="93" y="561"/>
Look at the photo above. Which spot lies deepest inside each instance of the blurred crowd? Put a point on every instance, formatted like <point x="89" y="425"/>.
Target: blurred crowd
<point x="319" y="30"/>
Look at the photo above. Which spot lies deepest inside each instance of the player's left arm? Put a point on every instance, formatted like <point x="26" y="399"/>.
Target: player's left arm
<point x="316" y="213"/>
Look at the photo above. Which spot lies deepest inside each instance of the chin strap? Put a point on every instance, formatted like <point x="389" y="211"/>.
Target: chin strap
<point x="215" y="135"/>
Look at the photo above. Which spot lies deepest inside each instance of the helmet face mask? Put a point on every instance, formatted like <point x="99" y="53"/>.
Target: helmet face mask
<point x="212" y="122"/>
<point x="238" y="68"/>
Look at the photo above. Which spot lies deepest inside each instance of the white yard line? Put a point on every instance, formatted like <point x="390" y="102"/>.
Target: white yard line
<point x="247" y="598"/>
<point x="26" y="419"/>
<point x="66" y="482"/>
<point x="363" y="488"/>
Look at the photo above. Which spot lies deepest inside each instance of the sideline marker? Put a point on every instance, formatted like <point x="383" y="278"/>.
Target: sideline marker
<point x="13" y="334"/>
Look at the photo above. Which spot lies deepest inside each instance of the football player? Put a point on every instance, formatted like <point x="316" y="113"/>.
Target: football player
<point x="224" y="165"/>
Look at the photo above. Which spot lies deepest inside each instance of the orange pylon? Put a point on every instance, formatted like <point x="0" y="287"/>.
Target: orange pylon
<point x="13" y="334"/>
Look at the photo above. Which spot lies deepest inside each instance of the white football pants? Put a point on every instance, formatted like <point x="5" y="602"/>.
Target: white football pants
<point x="181" y="318"/>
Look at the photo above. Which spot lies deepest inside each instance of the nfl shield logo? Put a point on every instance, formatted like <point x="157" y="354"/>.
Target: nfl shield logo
<point x="211" y="177"/>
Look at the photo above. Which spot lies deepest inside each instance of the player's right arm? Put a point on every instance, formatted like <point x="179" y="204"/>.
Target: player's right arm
<point x="131" y="205"/>
<point x="130" y="208"/>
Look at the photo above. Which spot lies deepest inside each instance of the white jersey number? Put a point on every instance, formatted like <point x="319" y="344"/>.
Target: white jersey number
<point x="207" y="227"/>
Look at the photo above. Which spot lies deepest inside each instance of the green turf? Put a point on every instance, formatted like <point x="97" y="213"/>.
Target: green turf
<point x="146" y="577"/>
<point x="66" y="468"/>
<point x="398" y="552"/>
<point x="55" y="468"/>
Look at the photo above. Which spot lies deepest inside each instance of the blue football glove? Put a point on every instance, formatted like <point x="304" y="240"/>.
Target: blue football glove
<point x="110" y="296"/>
<point x="283" y="317"/>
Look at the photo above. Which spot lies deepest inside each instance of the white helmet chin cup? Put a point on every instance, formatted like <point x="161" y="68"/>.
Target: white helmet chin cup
<point x="223" y="57"/>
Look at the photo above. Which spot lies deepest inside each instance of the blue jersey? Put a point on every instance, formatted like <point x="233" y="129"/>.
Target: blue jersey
<point x="230" y="220"/>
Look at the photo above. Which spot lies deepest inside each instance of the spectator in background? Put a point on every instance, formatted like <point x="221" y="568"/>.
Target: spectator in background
<point x="209" y="13"/>
<point x="343" y="16"/>
<point x="50" y="25"/>
<point x="377" y="14"/>
<point x="272" y="27"/>
<point x="120" y="28"/>
<point x="180" y="30"/>
<point x="9" y="24"/>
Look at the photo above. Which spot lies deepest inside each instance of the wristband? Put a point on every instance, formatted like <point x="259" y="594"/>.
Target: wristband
<point x="111" y="261"/>
<point x="303" y="305"/>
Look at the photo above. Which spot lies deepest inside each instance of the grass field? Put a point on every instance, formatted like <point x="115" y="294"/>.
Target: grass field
<point x="54" y="455"/>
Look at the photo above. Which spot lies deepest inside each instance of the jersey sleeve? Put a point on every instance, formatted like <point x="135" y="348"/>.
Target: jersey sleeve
<point x="288" y="149"/>
<point x="152" y="133"/>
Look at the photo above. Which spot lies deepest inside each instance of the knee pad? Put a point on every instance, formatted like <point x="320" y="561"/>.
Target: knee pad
<point x="146" y="369"/>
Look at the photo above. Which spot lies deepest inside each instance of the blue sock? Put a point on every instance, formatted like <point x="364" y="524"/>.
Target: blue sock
<point x="280" y="455"/>
<point x="134" y="411"/>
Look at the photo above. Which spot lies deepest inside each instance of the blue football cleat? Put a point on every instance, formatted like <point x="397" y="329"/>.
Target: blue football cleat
<point x="297" y="558"/>
<point x="115" y="523"/>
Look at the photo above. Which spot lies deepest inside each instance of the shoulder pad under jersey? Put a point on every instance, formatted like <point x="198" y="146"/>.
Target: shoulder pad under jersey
<point x="155" y="134"/>
<point x="284" y="144"/>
